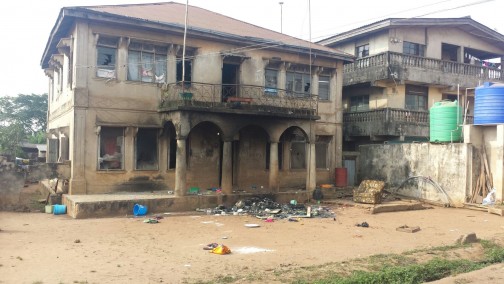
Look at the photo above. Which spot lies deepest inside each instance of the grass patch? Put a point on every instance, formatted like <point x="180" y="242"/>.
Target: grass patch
<point x="415" y="266"/>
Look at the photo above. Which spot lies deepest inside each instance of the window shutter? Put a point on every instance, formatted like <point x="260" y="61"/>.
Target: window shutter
<point x="64" y="149"/>
<point x="52" y="150"/>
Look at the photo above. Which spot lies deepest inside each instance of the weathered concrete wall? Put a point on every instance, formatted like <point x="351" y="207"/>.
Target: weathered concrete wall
<point x="491" y="137"/>
<point x="448" y="165"/>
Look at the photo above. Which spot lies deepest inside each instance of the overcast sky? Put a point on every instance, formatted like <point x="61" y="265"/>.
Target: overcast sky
<point x="25" y="25"/>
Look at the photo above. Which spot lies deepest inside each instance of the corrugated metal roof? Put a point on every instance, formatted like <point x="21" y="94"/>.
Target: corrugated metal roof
<point x="174" y="13"/>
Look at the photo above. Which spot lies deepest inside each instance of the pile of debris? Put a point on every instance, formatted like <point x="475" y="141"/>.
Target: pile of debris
<point x="266" y="208"/>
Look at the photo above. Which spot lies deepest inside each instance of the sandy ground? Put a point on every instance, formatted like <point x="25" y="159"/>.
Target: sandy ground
<point x="46" y="248"/>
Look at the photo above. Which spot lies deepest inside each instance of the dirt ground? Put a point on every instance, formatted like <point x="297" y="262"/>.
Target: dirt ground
<point x="46" y="248"/>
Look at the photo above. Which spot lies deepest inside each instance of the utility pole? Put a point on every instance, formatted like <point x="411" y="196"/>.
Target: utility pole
<point x="281" y="17"/>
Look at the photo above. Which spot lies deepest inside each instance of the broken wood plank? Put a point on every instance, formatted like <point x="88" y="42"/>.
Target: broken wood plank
<point x="382" y="208"/>
<point x="496" y="211"/>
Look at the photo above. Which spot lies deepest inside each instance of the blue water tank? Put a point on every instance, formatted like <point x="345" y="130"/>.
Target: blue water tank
<point x="489" y="104"/>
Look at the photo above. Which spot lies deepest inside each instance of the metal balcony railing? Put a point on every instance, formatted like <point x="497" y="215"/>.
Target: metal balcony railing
<point x="387" y="59"/>
<point x="231" y="97"/>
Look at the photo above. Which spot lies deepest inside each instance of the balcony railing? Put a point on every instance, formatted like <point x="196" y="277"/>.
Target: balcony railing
<point x="392" y="65"/>
<point x="238" y="98"/>
<point x="387" y="115"/>
<point x="389" y="122"/>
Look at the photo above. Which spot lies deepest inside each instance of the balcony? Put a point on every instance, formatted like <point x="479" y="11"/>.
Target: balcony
<point x="387" y="122"/>
<point x="238" y="99"/>
<point x="399" y="67"/>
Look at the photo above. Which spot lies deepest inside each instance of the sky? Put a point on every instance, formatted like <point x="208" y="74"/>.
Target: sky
<point x="26" y="25"/>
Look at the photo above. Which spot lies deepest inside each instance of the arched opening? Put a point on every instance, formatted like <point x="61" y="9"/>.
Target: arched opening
<point x="295" y="139"/>
<point x="252" y="158"/>
<point x="204" y="156"/>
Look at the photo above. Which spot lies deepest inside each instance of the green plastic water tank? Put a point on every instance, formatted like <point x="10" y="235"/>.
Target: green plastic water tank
<point x="445" y="120"/>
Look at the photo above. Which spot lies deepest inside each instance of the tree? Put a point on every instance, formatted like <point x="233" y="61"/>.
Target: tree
<point x="21" y="117"/>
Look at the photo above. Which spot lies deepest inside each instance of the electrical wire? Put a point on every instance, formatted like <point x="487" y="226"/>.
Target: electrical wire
<point x="276" y="43"/>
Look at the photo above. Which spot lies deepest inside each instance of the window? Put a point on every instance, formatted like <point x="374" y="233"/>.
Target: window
<point x="324" y="87"/>
<point x="111" y="148"/>
<point x="413" y="48"/>
<point x="359" y="103"/>
<point x="106" y="57"/>
<point x="188" y="71"/>
<point x="146" y="149"/>
<point x="362" y="51"/>
<point x="270" y="81"/>
<point x="321" y="153"/>
<point x="298" y="84"/>
<point x="416" y="97"/>
<point x="147" y="63"/>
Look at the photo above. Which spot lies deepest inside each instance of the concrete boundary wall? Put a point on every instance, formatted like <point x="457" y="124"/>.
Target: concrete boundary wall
<point x="446" y="165"/>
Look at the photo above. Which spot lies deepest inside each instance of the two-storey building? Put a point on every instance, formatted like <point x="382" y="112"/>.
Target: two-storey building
<point x="141" y="101"/>
<point x="404" y="66"/>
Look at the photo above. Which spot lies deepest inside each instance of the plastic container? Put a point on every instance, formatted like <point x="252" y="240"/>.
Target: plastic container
<point x="59" y="209"/>
<point x="445" y="120"/>
<point x="340" y="177"/>
<point x="489" y="104"/>
<point x="49" y="209"/>
<point x="139" y="210"/>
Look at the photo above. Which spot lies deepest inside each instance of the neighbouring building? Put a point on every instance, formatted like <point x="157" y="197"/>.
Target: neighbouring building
<point x="134" y="105"/>
<point x="404" y="66"/>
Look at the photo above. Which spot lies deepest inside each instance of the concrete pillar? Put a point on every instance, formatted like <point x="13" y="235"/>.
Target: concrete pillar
<point x="499" y="164"/>
<point x="337" y="80"/>
<point x="181" y="168"/>
<point x="311" y="174"/>
<point x="77" y="147"/>
<point x="273" y="167"/>
<point x="227" y="170"/>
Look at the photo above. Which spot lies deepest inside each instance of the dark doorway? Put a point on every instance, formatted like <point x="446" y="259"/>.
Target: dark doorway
<point x="449" y="52"/>
<point x="229" y="80"/>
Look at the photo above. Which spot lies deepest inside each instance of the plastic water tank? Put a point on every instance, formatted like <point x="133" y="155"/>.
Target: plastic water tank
<point x="445" y="120"/>
<point x="489" y="104"/>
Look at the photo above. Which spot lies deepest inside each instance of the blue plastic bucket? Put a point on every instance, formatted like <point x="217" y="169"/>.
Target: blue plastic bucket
<point x="139" y="210"/>
<point x="59" y="209"/>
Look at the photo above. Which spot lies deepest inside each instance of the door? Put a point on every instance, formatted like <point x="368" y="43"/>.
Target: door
<point x="350" y="166"/>
<point x="229" y="80"/>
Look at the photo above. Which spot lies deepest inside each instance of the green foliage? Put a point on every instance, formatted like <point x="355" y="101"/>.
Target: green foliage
<point x="27" y="110"/>
<point x="10" y="136"/>
<point x="21" y="117"/>
<point x="38" y="138"/>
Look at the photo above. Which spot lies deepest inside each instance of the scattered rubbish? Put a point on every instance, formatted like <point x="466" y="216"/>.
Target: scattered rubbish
<point x="151" y="221"/>
<point x="263" y="208"/>
<point x="363" y="224"/>
<point x="249" y="250"/>
<point x="269" y="220"/>
<point x="221" y="249"/>
<point x="490" y="198"/>
<point x="77" y="241"/>
<point x="187" y="265"/>
<point x="407" y="229"/>
<point x="317" y="194"/>
<point x="139" y="210"/>
<point x="326" y="185"/>
<point x="194" y="190"/>
<point x="211" y="246"/>
<point x="369" y="191"/>
<point x="252" y="225"/>
<point x="293" y="219"/>
<point x="224" y="237"/>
